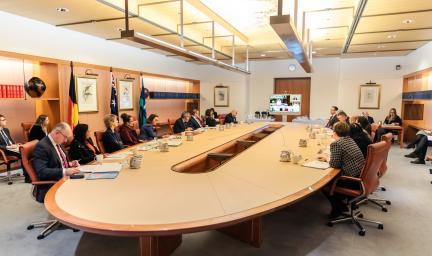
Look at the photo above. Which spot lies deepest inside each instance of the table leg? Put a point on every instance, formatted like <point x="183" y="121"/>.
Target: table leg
<point x="401" y="138"/>
<point x="159" y="245"/>
<point x="249" y="232"/>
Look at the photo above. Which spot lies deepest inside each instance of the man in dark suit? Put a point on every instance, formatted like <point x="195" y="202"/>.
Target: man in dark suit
<point x="195" y="120"/>
<point x="49" y="159"/>
<point x="333" y="118"/>
<point x="369" y="118"/>
<point x="231" y="117"/>
<point x="182" y="124"/>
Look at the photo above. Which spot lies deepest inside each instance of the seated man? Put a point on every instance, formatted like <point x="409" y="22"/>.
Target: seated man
<point x="196" y="121"/>
<point x="421" y="144"/>
<point x="333" y="118"/>
<point x="231" y="117"/>
<point x="347" y="156"/>
<point x="182" y="124"/>
<point x="369" y="118"/>
<point x="49" y="159"/>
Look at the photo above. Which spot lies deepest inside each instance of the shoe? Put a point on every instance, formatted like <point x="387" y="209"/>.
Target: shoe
<point x="410" y="146"/>
<point x="418" y="161"/>
<point x="411" y="155"/>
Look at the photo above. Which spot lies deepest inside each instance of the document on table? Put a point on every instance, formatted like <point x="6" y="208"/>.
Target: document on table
<point x="317" y="164"/>
<point x="117" y="156"/>
<point x="96" y="168"/>
<point x="102" y="175"/>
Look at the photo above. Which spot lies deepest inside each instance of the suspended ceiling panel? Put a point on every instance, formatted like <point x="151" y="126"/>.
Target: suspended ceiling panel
<point x="385" y="47"/>
<point x="398" y="36"/>
<point x="375" y="7"/>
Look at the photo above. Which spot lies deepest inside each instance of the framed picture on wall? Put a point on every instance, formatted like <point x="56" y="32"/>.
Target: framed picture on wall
<point x="221" y="96"/>
<point x="369" y="97"/>
<point x="86" y="91"/>
<point x="125" y="94"/>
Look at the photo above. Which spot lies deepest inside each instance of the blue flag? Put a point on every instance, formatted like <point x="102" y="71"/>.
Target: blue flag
<point x="142" y="111"/>
<point x="113" y="102"/>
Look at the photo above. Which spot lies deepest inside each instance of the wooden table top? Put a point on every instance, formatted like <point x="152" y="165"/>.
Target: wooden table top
<point x="392" y="127"/>
<point x="157" y="200"/>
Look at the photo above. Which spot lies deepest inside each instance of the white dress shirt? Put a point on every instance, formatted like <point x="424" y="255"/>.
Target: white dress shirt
<point x="58" y="153"/>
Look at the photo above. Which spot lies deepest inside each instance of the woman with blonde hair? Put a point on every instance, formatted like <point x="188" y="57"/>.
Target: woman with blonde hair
<point x="111" y="139"/>
<point x="39" y="129"/>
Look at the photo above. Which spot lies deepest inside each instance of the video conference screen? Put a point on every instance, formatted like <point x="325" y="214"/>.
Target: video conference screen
<point x="285" y="103"/>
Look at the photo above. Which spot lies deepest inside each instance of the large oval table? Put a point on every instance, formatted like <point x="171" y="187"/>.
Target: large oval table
<point x="157" y="204"/>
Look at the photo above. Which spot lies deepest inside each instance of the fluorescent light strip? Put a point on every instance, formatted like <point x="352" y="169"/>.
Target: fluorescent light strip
<point x="195" y="54"/>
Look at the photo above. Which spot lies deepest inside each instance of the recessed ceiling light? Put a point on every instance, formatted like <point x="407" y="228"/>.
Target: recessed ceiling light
<point x="313" y="52"/>
<point x="407" y="21"/>
<point x="62" y="9"/>
<point x="262" y="55"/>
<point x="391" y="36"/>
<point x="381" y="46"/>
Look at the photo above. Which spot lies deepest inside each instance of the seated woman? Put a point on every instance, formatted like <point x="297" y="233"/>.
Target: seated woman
<point x="360" y="137"/>
<point x="111" y="139"/>
<point x="82" y="147"/>
<point x="127" y="133"/>
<point x="347" y="156"/>
<point x="342" y="117"/>
<point x="392" y="119"/>
<point x="39" y="129"/>
<point x="209" y="118"/>
<point x="148" y="131"/>
<point x="421" y="144"/>
<point x="365" y="125"/>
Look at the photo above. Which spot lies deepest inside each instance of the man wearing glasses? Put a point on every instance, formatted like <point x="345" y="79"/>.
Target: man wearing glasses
<point x="49" y="159"/>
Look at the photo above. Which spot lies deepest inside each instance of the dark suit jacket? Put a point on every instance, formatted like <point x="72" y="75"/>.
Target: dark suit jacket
<point x="229" y="118"/>
<point x="112" y="141"/>
<point x="3" y="142"/>
<point x="194" y="123"/>
<point x="333" y="119"/>
<point x="128" y="135"/>
<point x="397" y="119"/>
<point x="148" y="132"/>
<point x="81" y="152"/>
<point x="36" y="133"/>
<point x="370" y="120"/>
<point x="47" y="165"/>
<point x="180" y="126"/>
<point x="210" y="121"/>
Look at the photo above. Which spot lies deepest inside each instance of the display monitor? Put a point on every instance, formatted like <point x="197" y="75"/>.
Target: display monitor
<point x="285" y="103"/>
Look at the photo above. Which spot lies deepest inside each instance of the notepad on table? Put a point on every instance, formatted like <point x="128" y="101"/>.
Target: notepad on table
<point x="102" y="175"/>
<point x="174" y="143"/>
<point x="117" y="156"/>
<point x="317" y="164"/>
<point x="96" y="168"/>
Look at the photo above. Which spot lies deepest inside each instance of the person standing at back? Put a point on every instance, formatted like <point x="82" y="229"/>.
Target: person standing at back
<point x="39" y="129"/>
<point x="49" y="158"/>
<point x="333" y="118"/>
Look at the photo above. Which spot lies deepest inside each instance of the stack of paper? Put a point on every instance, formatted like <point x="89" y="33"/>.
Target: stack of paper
<point x="96" y="168"/>
<point x="317" y="164"/>
<point x="117" y="156"/>
<point x="102" y="175"/>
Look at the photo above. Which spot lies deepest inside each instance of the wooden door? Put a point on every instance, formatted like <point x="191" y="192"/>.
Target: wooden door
<point x="300" y="85"/>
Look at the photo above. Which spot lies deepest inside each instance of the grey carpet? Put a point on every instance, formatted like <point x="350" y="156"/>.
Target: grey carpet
<point x="295" y="230"/>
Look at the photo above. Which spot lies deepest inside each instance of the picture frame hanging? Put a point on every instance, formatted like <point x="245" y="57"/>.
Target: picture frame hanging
<point x="86" y="91"/>
<point x="221" y="96"/>
<point x="369" y="96"/>
<point x="125" y="94"/>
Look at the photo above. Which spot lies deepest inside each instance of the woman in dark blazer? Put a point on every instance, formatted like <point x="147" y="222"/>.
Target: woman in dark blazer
<point x="209" y="118"/>
<point x="147" y="130"/>
<point x="360" y="137"/>
<point x="127" y="133"/>
<point x="82" y="147"/>
<point x="111" y="139"/>
<point x="39" y="129"/>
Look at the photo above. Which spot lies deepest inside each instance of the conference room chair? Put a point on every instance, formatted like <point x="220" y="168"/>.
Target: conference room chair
<point x="368" y="183"/>
<point x="374" y="128"/>
<point x="48" y="225"/>
<point x="8" y="161"/>
<point x="171" y="123"/>
<point x="99" y="141"/>
<point x="26" y="130"/>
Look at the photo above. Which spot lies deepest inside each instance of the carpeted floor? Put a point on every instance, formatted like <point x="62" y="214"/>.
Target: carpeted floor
<point x="296" y="230"/>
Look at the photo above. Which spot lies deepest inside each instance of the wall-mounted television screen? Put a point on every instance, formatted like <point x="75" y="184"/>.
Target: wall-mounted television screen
<point x="285" y="103"/>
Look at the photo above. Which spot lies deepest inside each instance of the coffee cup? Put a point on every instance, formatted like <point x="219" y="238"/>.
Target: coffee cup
<point x="296" y="158"/>
<point x="99" y="159"/>
<point x="183" y="134"/>
<point x="189" y="136"/>
<point x="163" y="147"/>
<point x="312" y="135"/>
<point x="221" y="127"/>
<point x="135" y="162"/>
<point x="285" y="156"/>
<point x="303" y="143"/>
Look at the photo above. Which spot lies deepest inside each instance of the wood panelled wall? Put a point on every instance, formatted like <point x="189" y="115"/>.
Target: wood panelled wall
<point x="299" y="85"/>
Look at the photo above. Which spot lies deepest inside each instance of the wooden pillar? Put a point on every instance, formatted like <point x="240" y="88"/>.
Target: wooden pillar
<point x="159" y="245"/>
<point x="249" y="232"/>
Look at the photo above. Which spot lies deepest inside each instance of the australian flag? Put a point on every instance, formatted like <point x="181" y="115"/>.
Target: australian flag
<point x="113" y="103"/>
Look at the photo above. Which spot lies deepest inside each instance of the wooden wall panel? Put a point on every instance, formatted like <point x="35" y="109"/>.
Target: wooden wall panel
<point x="294" y="86"/>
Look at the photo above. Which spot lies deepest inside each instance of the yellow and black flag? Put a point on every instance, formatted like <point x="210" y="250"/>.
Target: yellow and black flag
<point x="72" y="102"/>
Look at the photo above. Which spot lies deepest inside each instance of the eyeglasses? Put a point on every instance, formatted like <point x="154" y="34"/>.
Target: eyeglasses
<point x="66" y="137"/>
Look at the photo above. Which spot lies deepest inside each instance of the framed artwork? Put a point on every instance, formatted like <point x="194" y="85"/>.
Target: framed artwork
<point x="221" y="96"/>
<point x="369" y="96"/>
<point x="86" y="91"/>
<point x="125" y="94"/>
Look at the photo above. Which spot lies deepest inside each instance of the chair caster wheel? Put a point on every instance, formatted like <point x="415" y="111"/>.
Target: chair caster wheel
<point x="384" y="210"/>
<point x="329" y="224"/>
<point x="75" y="230"/>
<point x="380" y="226"/>
<point x="39" y="237"/>
<point x="10" y="183"/>
<point x="388" y="202"/>
<point x="30" y="227"/>
<point x="362" y="232"/>
<point x="360" y="215"/>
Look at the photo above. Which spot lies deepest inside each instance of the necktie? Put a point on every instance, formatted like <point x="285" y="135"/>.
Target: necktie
<point x="6" y="138"/>
<point x="63" y="157"/>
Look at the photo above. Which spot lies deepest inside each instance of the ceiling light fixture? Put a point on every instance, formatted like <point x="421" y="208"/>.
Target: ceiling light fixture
<point x="262" y="55"/>
<point x="62" y="9"/>
<point x="391" y="36"/>
<point x="407" y="21"/>
<point x="381" y="46"/>
<point x="313" y="52"/>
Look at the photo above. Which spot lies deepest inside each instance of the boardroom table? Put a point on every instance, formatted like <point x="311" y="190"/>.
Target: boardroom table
<point x="158" y="205"/>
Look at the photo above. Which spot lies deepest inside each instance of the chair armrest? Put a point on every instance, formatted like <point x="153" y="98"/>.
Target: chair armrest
<point x="344" y="178"/>
<point x="3" y="156"/>
<point x="44" y="182"/>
